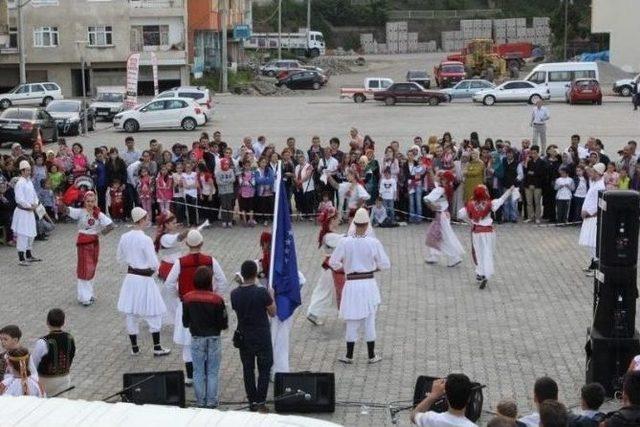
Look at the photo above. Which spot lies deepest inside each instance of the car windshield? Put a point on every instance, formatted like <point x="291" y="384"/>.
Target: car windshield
<point x="63" y="107"/>
<point x="110" y="97"/>
<point x="18" y="114"/>
<point x="453" y="68"/>
<point x="319" y="38"/>
<point x="417" y="74"/>
<point x="15" y="89"/>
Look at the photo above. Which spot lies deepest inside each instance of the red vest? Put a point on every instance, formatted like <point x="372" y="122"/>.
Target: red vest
<point x="188" y="266"/>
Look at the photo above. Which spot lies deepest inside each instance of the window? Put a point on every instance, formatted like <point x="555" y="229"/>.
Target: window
<point x="45" y="2"/>
<point x="155" y="35"/>
<point x="45" y="37"/>
<point x="18" y="113"/>
<point x="374" y="84"/>
<point x="36" y="88"/>
<point x="155" y="106"/>
<point x="560" y="76"/>
<point x="479" y="85"/>
<point x="386" y="84"/>
<point x="192" y="95"/>
<point x="464" y="85"/>
<point x="538" y="78"/>
<point x="22" y="89"/>
<point x="51" y="86"/>
<point x="511" y="86"/>
<point x="100" y="35"/>
<point x="175" y="104"/>
<point x="13" y="37"/>
<point x="166" y="95"/>
<point x="584" y="74"/>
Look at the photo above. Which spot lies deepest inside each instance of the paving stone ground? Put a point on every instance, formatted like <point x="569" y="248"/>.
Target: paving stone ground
<point x="530" y="321"/>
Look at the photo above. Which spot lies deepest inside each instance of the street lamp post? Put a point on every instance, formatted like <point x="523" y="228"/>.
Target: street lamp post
<point x="85" y="125"/>
<point x="279" y="29"/>
<point x="566" y="25"/>
<point x="21" y="46"/>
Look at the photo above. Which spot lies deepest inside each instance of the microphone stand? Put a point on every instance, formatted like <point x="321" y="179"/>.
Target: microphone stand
<point x="122" y="392"/>
<point x="63" y="391"/>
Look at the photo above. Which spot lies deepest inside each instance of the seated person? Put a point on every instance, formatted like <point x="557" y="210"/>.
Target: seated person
<point x="545" y="388"/>
<point x="591" y="398"/>
<point x="552" y="414"/>
<point x="457" y="389"/>
<point x="629" y="414"/>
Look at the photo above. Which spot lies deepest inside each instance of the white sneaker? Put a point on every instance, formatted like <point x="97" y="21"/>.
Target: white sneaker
<point x="346" y="360"/>
<point x="188" y="382"/>
<point x="375" y="359"/>
<point x="161" y="352"/>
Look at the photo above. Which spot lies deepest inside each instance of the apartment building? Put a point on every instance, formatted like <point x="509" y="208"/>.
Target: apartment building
<point x="59" y="34"/>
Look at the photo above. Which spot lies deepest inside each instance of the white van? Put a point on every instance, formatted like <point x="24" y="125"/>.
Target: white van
<point x="556" y="76"/>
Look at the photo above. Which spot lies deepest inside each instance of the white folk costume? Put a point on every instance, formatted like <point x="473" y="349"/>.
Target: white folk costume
<point x="477" y="212"/>
<point x="88" y="248"/>
<point x="23" y="223"/>
<point x="349" y="197"/>
<point x="139" y="295"/>
<point x="323" y="298"/>
<point x="180" y="282"/>
<point x="169" y="251"/>
<point x="589" y="229"/>
<point x="16" y="386"/>
<point x="360" y="257"/>
<point x="441" y="238"/>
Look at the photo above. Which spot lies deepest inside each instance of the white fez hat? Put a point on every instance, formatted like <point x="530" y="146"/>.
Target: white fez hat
<point x="361" y="217"/>
<point x="137" y="214"/>
<point x="194" y="238"/>
<point x="24" y="165"/>
<point x="599" y="168"/>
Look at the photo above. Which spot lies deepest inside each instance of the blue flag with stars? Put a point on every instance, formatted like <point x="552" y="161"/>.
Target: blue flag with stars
<point x="286" y="282"/>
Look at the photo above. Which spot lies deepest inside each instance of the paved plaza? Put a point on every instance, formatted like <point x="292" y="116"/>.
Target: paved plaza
<point x="530" y="321"/>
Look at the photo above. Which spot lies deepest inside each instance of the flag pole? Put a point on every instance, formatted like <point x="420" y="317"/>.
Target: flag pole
<point x="275" y="221"/>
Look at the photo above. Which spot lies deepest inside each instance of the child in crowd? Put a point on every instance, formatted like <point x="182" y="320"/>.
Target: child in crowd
<point x="206" y="191"/>
<point x="247" y="191"/>
<point x="56" y="177"/>
<point x="581" y="187"/>
<point x="326" y="203"/>
<point x="39" y="172"/>
<point x="388" y="193"/>
<point x="624" y="182"/>
<point x="164" y="189"/>
<point x="611" y="177"/>
<point x="47" y="198"/>
<point x="189" y="180"/>
<point x="378" y="213"/>
<point x="509" y="409"/>
<point x="145" y="189"/>
<point x="7" y="206"/>
<point x="115" y="200"/>
<point x="178" y="193"/>
<point x="226" y="178"/>
<point x="564" y="187"/>
<point x="20" y="379"/>
<point x="10" y="336"/>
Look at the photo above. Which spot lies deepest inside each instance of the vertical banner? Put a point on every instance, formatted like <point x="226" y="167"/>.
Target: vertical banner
<point x="133" y="70"/>
<point x="154" y="65"/>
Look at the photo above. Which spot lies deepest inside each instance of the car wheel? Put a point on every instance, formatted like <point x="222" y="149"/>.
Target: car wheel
<point x="4" y="104"/>
<point x="316" y="85"/>
<point x="359" y="98"/>
<point x="390" y="100"/>
<point x="189" y="124"/>
<point x="599" y="101"/>
<point x="489" y="100"/>
<point x="433" y="101"/>
<point x="131" y="126"/>
<point x="315" y="53"/>
<point x="46" y="100"/>
<point x="534" y="98"/>
<point x="625" y="91"/>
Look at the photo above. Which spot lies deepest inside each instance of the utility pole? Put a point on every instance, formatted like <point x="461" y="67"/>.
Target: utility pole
<point x="85" y="127"/>
<point x="279" y="29"/>
<point x="308" y="17"/>
<point x="21" y="46"/>
<point x="566" y="26"/>
<point x="223" y="59"/>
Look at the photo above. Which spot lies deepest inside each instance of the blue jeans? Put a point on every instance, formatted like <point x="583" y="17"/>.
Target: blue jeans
<point x="510" y="210"/>
<point x="415" y="205"/>
<point x="206" y="352"/>
<point x="391" y="212"/>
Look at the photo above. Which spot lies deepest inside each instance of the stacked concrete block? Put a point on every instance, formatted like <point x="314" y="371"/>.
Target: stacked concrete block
<point x="367" y="43"/>
<point x="412" y="42"/>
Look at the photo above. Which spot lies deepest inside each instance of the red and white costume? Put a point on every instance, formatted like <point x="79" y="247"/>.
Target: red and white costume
<point x="90" y="224"/>
<point x="477" y="212"/>
<point x="180" y="282"/>
<point x="330" y="284"/>
<point x="169" y="252"/>
<point x="441" y="238"/>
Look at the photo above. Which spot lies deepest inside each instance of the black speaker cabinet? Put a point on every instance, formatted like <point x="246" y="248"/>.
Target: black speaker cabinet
<point x="615" y="297"/>
<point x="317" y="392"/>
<point x="157" y="388"/>
<point x="474" y="407"/>
<point x="608" y="359"/>
<point x="618" y="228"/>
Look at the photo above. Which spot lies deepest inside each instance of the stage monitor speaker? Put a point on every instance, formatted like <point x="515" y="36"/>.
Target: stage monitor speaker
<point x="615" y="297"/>
<point x="474" y="407"/>
<point x="608" y="359"/>
<point x="618" y="213"/>
<point x="157" y="388"/>
<point x="304" y="392"/>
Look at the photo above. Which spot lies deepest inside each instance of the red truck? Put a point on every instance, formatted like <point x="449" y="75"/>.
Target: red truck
<point x="448" y="73"/>
<point x="513" y="53"/>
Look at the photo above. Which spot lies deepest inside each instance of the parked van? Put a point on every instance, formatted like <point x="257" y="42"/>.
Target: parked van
<point x="556" y="76"/>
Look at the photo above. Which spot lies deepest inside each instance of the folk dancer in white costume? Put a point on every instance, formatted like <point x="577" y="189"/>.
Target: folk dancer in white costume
<point x="440" y="236"/>
<point x="589" y="230"/>
<point x="91" y="222"/>
<point x="168" y="247"/>
<point x="139" y="295"/>
<point x="180" y="282"/>
<point x="477" y="212"/>
<point x="360" y="256"/>
<point x="23" y="224"/>
<point x="330" y="283"/>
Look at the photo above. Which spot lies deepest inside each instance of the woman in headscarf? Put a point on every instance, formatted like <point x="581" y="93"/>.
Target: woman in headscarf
<point x="473" y="174"/>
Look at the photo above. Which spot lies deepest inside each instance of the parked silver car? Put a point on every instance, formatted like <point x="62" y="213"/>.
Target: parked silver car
<point x="468" y="88"/>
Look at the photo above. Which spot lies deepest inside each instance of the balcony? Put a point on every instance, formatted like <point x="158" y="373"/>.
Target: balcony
<point x="156" y="8"/>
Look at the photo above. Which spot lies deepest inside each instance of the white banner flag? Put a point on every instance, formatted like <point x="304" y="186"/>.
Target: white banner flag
<point x="133" y="71"/>
<point x="154" y="65"/>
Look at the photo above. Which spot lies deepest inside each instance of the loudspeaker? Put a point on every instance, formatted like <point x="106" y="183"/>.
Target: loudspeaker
<point x="608" y="359"/>
<point x="474" y="407"/>
<point x="618" y="227"/>
<point x="615" y="297"/>
<point x="317" y="392"/>
<point x="158" y="388"/>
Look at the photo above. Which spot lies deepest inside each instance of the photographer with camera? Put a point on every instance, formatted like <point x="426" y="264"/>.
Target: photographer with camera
<point x="457" y="390"/>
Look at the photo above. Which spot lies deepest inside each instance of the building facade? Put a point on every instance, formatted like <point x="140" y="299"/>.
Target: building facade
<point x="619" y="18"/>
<point x="60" y="34"/>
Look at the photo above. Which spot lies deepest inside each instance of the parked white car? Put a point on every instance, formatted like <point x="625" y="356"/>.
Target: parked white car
<point x="513" y="91"/>
<point x="200" y="95"/>
<point x="182" y="113"/>
<point x="31" y="94"/>
<point x="626" y="87"/>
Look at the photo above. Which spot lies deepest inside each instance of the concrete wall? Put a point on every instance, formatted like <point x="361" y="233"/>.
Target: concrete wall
<point x="620" y="19"/>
